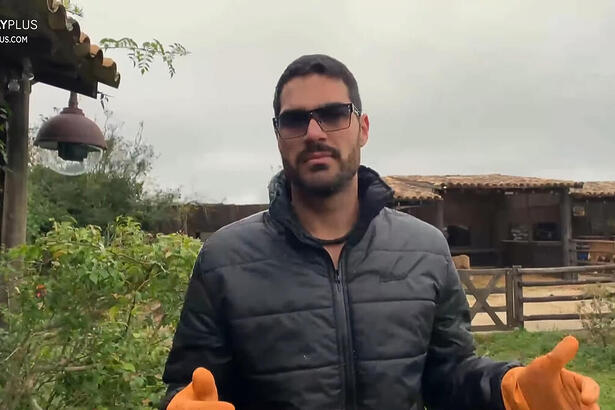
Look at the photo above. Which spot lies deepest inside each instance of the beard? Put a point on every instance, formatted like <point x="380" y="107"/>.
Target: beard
<point x="325" y="186"/>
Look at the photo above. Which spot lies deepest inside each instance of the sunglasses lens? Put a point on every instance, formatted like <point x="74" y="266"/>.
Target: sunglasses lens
<point x="333" y="117"/>
<point x="293" y="123"/>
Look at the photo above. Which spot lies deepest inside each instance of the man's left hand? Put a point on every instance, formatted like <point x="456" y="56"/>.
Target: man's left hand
<point x="546" y="384"/>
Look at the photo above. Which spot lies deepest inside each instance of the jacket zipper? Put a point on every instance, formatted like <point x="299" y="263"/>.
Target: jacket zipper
<point x="343" y="320"/>
<point x="338" y="281"/>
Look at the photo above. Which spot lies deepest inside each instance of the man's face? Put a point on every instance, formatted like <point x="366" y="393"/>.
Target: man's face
<point x="321" y="163"/>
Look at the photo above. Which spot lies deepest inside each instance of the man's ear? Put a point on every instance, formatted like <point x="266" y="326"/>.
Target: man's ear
<point x="364" y="126"/>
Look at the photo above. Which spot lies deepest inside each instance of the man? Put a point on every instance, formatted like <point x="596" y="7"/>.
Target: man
<point x="329" y="300"/>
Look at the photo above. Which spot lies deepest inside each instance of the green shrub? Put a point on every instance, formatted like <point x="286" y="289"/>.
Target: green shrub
<point x="91" y="317"/>
<point x="598" y="315"/>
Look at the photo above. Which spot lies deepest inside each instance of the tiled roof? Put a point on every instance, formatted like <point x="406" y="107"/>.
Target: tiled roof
<point x="488" y="181"/>
<point x="595" y="189"/>
<point x="411" y="191"/>
<point x="60" y="54"/>
<point x="428" y="187"/>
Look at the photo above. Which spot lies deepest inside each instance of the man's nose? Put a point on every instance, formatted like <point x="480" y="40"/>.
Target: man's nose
<point x="314" y="132"/>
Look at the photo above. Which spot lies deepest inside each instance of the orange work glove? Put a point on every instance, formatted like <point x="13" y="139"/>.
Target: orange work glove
<point x="544" y="384"/>
<point x="200" y="394"/>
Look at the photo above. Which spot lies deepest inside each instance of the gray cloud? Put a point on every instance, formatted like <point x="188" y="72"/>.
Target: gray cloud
<point x="523" y="88"/>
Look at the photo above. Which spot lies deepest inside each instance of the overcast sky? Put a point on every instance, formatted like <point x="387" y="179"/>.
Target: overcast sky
<point x="522" y="88"/>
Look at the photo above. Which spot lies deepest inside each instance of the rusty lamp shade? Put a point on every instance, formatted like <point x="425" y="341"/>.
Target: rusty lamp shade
<point x="72" y="144"/>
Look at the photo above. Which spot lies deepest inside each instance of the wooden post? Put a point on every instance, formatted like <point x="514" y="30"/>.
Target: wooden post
<point x="518" y="292"/>
<point x="4" y="297"/>
<point x="14" y="198"/>
<point x="566" y="229"/>
<point x="15" y="194"/>
<point x="440" y="215"/>
<point x="2" y="164"/>
<point x="510" y="300"/>
<point x="572" y="252"/>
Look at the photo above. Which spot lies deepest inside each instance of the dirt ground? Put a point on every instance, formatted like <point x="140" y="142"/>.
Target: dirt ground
<point x="535" y="308"/>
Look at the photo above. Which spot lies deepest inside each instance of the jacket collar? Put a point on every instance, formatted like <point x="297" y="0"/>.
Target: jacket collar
<point x="374" y="194"/>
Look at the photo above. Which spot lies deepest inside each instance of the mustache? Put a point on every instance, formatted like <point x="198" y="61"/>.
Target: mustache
<point x="312" y="147"/>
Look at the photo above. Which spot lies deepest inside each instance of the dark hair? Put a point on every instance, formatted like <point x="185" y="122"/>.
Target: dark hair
<point x="317" y="64"/>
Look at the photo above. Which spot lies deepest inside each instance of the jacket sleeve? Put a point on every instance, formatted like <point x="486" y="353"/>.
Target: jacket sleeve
<point x="200" y="338"/>
<point x="454" y="377"/>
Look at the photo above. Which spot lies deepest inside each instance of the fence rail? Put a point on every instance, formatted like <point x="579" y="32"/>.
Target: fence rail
<point x="514" y="292"/>
<point x="565" y="282"/>
<point x="600" y="271"/>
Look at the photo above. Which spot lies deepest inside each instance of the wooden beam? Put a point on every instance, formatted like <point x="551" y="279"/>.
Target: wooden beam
<point x="489" y="328"/>
<point x="566" y="229"/>
<point x="15" y="188"/>
<point x="440" y="215"/>
<point x="494" y="291"/>
<point x="518" y="296"/>
<point x="568" y="316"/>
<point x="568" y="269"/>
<point x="3" y="140"/>
<point x="15" y="200"/>
<point x="4" y="288"/>
<point x="561" y="298"/>
<point x="567" y="282"/>
<point x="510" y="301"/>
<point x="560" y="316"/>
<point x="484" y="272"/>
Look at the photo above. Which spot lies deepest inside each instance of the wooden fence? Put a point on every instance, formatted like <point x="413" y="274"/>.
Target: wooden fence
<point x="514" y="284"/>
<point x="598" y="275"/>
<point x="481" y="294"/>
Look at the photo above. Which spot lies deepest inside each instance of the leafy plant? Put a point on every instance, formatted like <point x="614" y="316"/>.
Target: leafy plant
<point x="91" y="316"/>
<point x="73" y="8"/>
<point x="143" y="55"/>
<point x="598" y="314"/>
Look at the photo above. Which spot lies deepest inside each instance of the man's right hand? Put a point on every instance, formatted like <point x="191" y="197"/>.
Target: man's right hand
<point x="200" y="394"/>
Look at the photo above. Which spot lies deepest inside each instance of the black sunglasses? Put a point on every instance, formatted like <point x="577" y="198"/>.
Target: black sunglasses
<point x="330" y="117"/>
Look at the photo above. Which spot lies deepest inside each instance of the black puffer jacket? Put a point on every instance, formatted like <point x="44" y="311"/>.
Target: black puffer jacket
<point x="280" y="328"/>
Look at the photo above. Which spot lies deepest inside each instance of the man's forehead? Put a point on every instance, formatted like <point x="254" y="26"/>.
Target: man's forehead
<point x="312" y="91"/>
